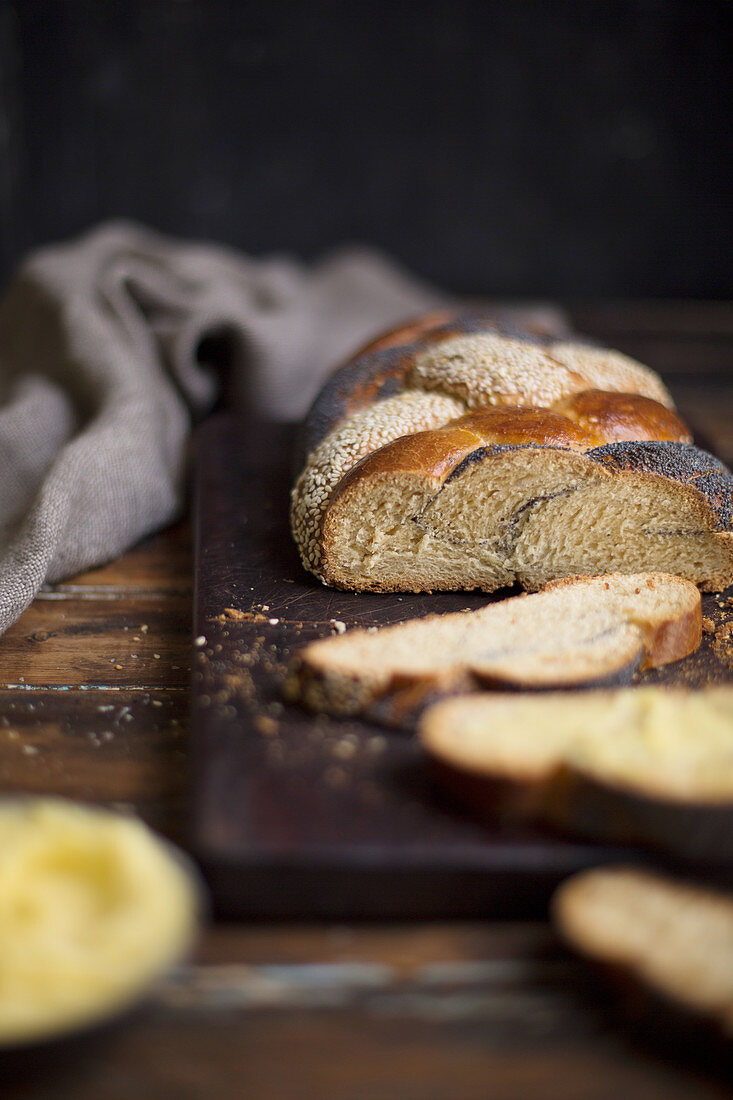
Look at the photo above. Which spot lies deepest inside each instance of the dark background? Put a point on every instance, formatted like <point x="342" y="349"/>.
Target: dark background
<point x="514" y="148"/>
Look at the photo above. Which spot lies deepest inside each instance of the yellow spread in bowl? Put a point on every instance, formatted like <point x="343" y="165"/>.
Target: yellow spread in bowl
<point x="93" y="907"/>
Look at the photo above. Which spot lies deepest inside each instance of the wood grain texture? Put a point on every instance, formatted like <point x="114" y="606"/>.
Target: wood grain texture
<point x="94" y="686"/>
<point x="469" y="1011"/>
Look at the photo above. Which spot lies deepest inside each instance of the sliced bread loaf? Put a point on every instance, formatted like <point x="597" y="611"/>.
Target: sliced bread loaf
<point x="437" y="511"/>
<point x="670" y="940"/>
<point x="649" y="765"/>
<point x="458" y="453"/>
<point x="580" y="631"/>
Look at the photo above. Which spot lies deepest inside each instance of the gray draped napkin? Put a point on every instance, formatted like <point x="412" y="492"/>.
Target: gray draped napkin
<point x="101" y="375"/>
<point x="104" y="346"/>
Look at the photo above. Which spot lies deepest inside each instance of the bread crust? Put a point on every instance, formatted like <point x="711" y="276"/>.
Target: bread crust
<point x="705" y="475"/>
<point x="665" y="641"/>
<point x="516" y="389"/>
<point x="616" y="417"/>
<point x="381" y="368"/>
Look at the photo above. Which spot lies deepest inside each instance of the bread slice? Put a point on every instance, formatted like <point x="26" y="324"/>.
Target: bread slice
<point x="670" y="940"/>
<point x="648" y="765"/>
<point x="433" y="511"/>
<point x="583" y="630"/>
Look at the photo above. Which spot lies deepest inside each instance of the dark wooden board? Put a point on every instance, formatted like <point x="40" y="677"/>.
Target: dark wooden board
<point x="301" y="816"/>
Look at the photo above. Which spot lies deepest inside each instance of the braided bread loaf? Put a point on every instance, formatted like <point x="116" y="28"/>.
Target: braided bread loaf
<point x="458" y="453"/>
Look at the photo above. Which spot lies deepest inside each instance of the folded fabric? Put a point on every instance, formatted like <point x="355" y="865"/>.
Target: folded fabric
<point x="104" y="345"/>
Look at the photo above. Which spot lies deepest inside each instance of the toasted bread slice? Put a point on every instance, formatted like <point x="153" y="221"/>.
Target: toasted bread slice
<point x="582" y="631"/>
<point x="649" y="765"/>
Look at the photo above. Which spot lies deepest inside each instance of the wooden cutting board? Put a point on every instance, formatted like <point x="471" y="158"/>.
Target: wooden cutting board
<point x="309" y="817"/>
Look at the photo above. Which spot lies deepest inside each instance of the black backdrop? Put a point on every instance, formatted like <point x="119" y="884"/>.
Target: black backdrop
<point x="509" y="147"/>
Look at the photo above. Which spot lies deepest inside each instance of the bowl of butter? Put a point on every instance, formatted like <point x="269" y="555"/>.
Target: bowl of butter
<point x="94" y="909"/>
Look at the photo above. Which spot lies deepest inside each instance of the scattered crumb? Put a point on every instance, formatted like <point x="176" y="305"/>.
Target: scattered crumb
<point x="723" y="643"/>
<point x="338" y="626"/>
<point x="708" y="625"/>
<point x="273" y="622"/>
<point x="344" y="750"/>
<point x="267" y="726"/>
<point x="144" y="628"/>
<point x="119" y="668"/>
<point x="201" y="640"/>
<point x="157" y="656"/>
<point x="231" y="614"/>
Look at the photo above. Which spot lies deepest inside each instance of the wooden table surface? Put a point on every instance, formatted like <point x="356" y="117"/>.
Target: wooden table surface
<point x="93" y="705"/>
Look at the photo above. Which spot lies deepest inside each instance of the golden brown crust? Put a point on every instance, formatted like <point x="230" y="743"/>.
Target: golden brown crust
<point x="437" y="452"/>
<point x="432" y="454"/>
<point x="523" y="426"/>
<point x="615" y="417"/>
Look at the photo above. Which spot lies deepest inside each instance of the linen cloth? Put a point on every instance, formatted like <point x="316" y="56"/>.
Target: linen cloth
<point x="101" y="376"/>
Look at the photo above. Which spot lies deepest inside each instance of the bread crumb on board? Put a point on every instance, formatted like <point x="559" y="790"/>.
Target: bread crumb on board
<point x="723" y="643"/>
<point x="266" y="725"/>
<point x="234" y="615"/>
